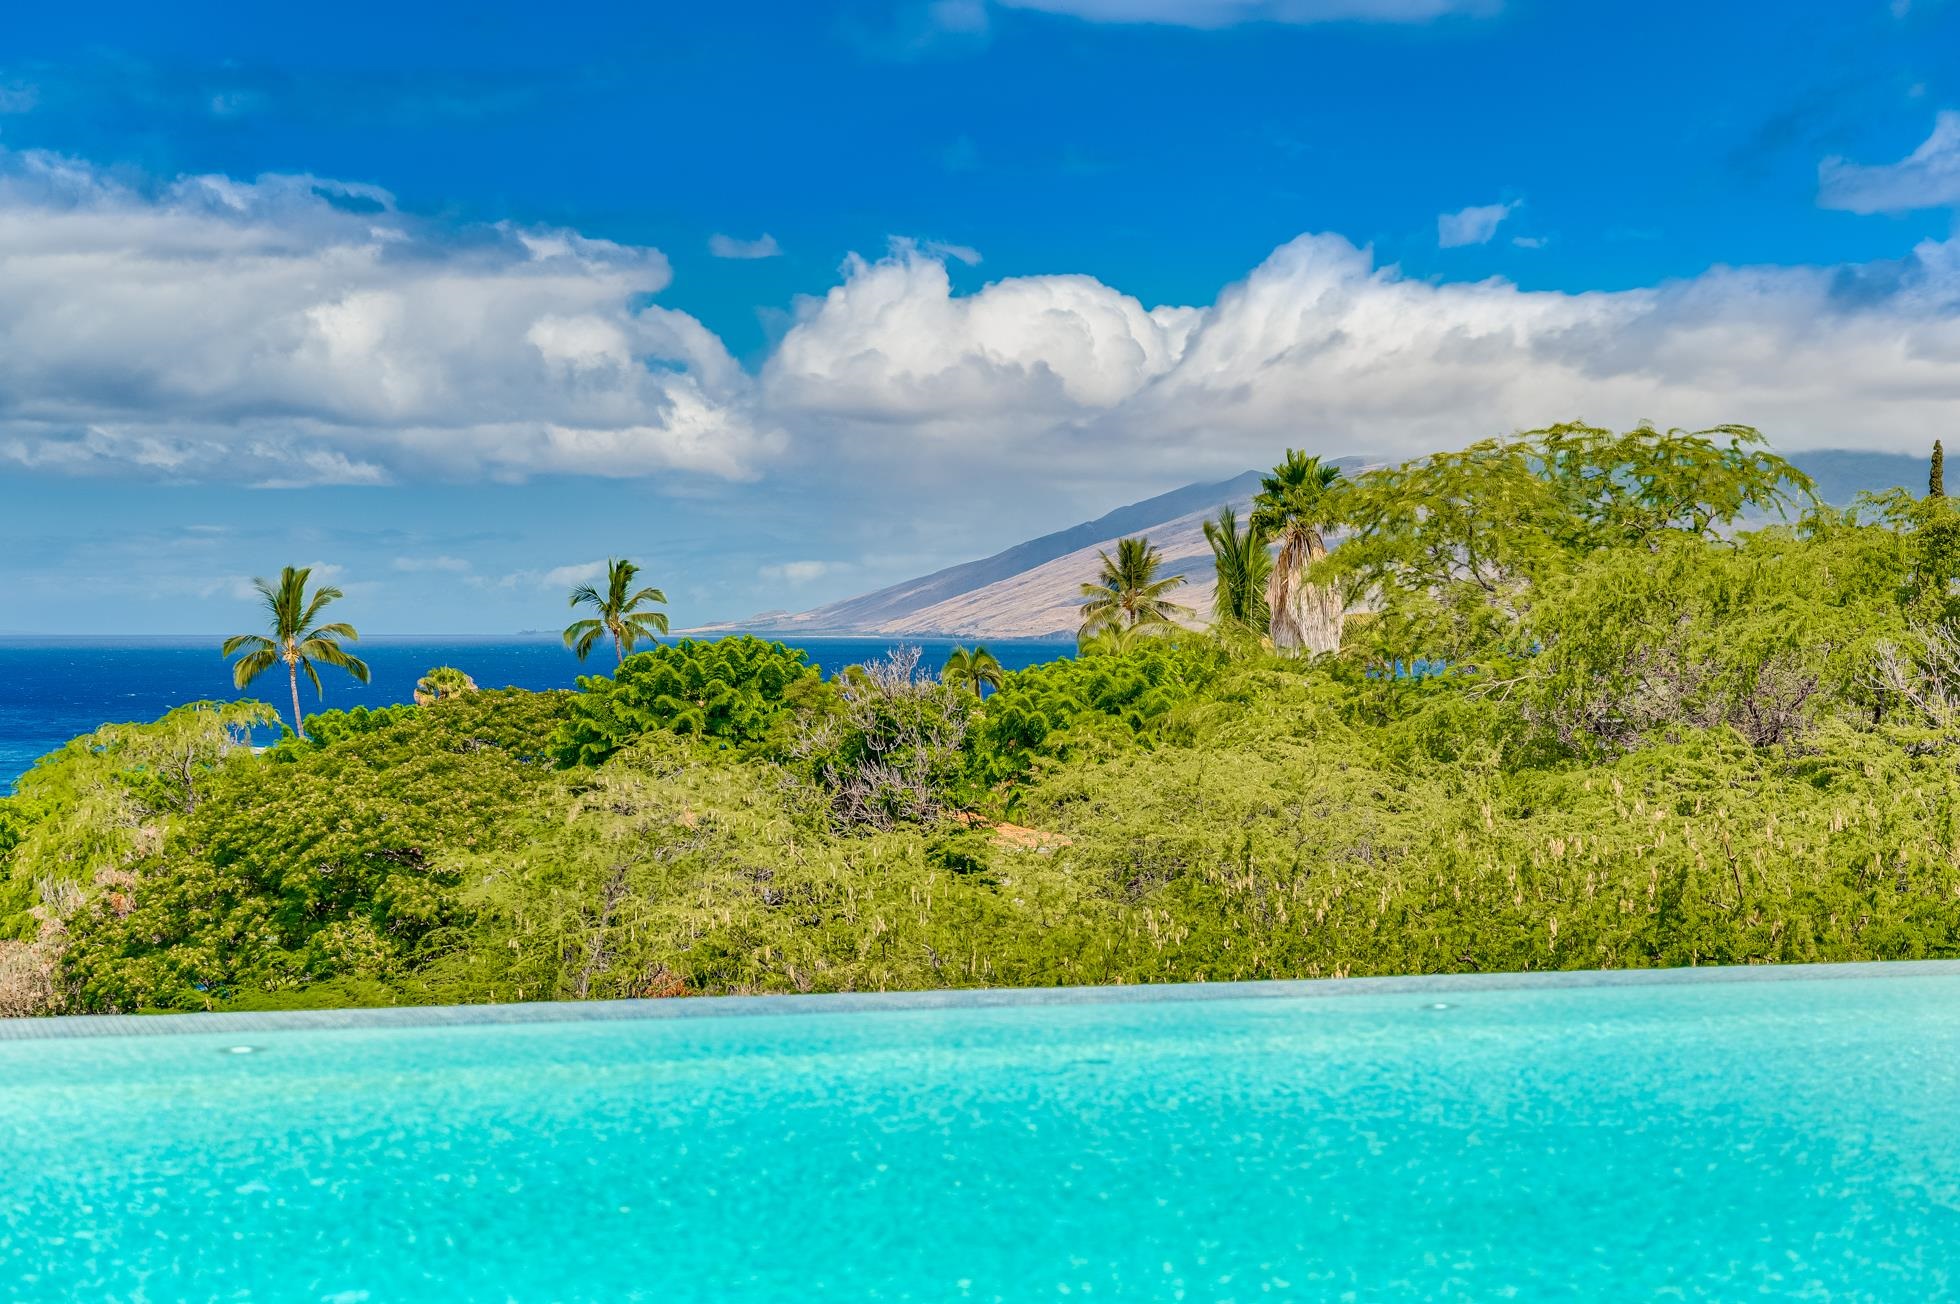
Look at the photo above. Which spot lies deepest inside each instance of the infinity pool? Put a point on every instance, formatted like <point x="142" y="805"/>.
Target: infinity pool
<point x="1711" y="1134"/>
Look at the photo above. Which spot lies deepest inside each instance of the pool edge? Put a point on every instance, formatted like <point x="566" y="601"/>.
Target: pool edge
<point x="694" y="1007"/>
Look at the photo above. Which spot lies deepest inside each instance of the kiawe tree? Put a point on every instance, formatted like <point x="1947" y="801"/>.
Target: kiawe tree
<point x="1295" y="505"/>
<point x="442" y="683"/>
<point x="1244" y="566"/>
<point x="1454" y="549"/>
<point x="1128" y="595"/>
<point x="295" y="641"/>
<point x="620" y="616"/>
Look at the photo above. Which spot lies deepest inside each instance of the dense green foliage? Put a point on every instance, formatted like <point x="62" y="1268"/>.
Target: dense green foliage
<point x="731" y="690"/>
<point x="1643" y="735"/>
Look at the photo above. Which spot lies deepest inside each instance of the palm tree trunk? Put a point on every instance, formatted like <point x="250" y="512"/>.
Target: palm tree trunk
<point x="292" y="674"/>
<point x="1305" y="617"/>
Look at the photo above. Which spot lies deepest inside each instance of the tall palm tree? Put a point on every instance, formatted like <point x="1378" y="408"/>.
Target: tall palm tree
<point x="620" y="617"/>
<point x="1128" y="593"/>
<point x="296" y="641"/>
<point x="1243" y="566"/>
<point x="975" y="671"/>
<point x="1295" y="505"/>
<point x="442" y="683"/>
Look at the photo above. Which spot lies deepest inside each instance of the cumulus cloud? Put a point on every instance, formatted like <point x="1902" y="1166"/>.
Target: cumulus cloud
<point x="728" y="246"/>
<point x="1065" y="378"/>
<point x="1471" y="226"/>
<point x="1929" y="177"/>
<point x="293" y="330"/>
<point x="1226" y="13"/>
<point x="893" y="343"/>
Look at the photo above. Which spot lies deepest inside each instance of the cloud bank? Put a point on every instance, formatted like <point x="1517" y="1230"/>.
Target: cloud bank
<point x="293" y="330"/>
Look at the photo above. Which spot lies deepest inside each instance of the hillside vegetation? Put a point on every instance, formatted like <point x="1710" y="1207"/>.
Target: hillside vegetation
<point x="1578" y="717"/>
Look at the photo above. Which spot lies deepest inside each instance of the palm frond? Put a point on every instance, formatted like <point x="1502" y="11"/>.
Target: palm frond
<point x="252" y="664"/>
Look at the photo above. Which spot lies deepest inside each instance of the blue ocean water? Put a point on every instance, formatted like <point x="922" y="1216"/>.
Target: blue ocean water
<point x="53" y="689"/>
<point x="1794" y="1138"/>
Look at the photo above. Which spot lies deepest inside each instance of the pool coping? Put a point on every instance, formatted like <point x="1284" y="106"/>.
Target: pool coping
<point x="695" y="1007"/>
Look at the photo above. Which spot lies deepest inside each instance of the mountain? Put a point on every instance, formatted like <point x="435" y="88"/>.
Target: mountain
<point x="1031" y="590"/>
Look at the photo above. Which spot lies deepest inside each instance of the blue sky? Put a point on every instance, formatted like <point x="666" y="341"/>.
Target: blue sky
<point x="790" y="301"/>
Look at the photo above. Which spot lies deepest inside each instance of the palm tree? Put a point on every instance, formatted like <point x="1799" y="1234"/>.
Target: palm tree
<point x="975" y="671"/>
<point x="619" y="616"/>
<point x="442" y="683"/>
<point x="1243" y="565"/>
<point x="1295" y="504"/>
<point x="296" y="640"/>
<point x="1128" y="594"/>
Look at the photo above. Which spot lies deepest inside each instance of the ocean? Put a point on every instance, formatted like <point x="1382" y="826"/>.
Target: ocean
<point x="54" y="689"/>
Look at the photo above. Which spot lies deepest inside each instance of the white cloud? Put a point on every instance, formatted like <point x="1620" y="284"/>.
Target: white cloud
<point x="1471" y="226"/>
<point x="959" y="253"/>
<point x="556" y="577"/>
<point x="1067" y="379"/>
<point x="728" y="246"/>
<point x="18" y="97"/>
<point x="1225" y="13"/>
<point x="584" y="572"/>
<point x="1528" y="241"/>
<point x="292" y="330"/>
<point x="1929" y="177"/>
<point x="454" y="565"/>
<point x="894" y="343"/>
<point x="798" y="572"/>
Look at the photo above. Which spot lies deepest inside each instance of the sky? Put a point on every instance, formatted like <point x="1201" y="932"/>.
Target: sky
<point x="789" y="301"/>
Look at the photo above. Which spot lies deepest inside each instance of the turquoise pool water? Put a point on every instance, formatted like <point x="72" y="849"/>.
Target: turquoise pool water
<point x="1791" y="1138"/>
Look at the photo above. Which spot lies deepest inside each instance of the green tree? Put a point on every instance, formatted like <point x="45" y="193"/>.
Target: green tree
<point x="295" y="640"/>
<point x="1636" y="486"/>
<point x="976" y="670"/>
<point x="1452" y="547"/>
<point x="1295" y="505"/>
<point x="1128" y="594"/>
<point x="442" y="682"/>
<point x="620" y="617"/>
<point x="735" y="691"/>
<point x="1936" y="474"/>
<point x="1244" y="565"/>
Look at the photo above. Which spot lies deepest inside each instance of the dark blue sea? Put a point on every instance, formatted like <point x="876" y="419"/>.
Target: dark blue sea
<point x="53" y="689"/>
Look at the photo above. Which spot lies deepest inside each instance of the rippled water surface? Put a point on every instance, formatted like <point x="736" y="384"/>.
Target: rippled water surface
<point x="1791" y="1138"/>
